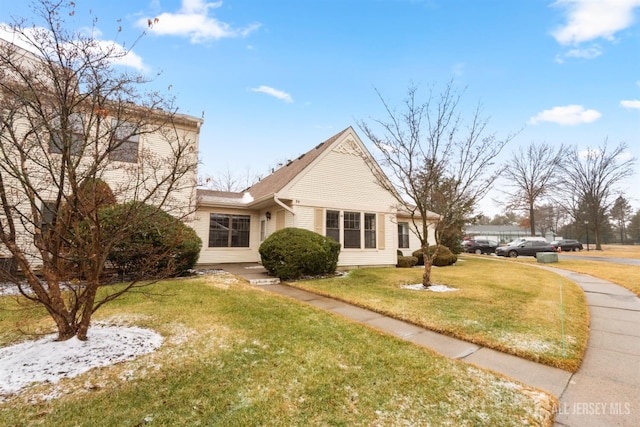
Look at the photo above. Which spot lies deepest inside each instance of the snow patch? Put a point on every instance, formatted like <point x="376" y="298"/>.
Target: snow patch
<point x="47" y="360"/>
<point x="432" y="288"/>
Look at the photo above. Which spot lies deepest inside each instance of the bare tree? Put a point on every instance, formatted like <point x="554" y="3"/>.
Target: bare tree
<point x="68" y="120"/>
<point x="592" y="177"/>
<point x="228" y="180"/>
<point x="434" y="160"/>
<point x="546" y="219"/>
<point x="532" y="174"/>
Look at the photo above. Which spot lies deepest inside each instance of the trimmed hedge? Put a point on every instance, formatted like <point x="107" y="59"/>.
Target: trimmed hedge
<point x="159" y="246"/>
<point x="406" y="261"/>
<point x="445" y="256"/>
<point x="292" y="253"/>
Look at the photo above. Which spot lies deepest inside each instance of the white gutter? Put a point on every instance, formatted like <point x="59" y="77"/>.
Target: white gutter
<point x="277" y="200"/>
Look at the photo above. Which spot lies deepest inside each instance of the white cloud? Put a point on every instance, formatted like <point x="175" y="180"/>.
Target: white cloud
<point x="130" y="59"/>
<point x="274" y="92"/>
<point x="193" y="21"/>
<point x="592" y="19"/>
<point x="584" y="53"/>
<point x="588" y="53"/>
<point x="120" y="55"/>
<point x="635" y="103"/>
<point x="567" y="115"/>
<point x="589" y="153"/>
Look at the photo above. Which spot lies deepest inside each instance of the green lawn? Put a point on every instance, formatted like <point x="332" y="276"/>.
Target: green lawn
<point x="508" y="306"/>
<point x="236" y="355"/>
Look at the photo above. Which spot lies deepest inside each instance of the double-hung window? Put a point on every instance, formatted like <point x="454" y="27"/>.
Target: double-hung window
<point x="229" y="231"/>
<point x="67" y="135"/>
<point x="403" y="235"/>
<point x="351" y="229"/>
<point x="125" y="142"/>
<point x="369" y="230"/>
<point x="333" y="225"/>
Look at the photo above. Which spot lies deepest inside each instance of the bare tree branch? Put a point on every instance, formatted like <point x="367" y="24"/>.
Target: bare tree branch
<point x="69" y="119"/>
<point x="434" y="161"/>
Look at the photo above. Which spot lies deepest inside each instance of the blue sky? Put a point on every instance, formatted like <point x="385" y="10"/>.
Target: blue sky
<point x="275" y="78"/>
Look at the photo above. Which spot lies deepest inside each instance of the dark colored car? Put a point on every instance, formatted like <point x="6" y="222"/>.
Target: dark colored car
<point x="526" y="248"/>
<point x="567" y="245"/>
<point x="480" y="246"/>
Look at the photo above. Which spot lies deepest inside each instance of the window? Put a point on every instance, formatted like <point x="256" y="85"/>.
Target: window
<point x="369" y="230"/>
<point x="352" y="230"/>
<point x="333" y="225"/>
<point x="125" y="142"/>
<point x="229" y="231"/>
<point x="48" y="215"/>
<point x="71" y="134"/>
<point x="403" y="235"/>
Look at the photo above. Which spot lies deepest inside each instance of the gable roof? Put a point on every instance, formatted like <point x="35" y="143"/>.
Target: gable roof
<point x="272" y="183"/>
<point x="275" y="182"/>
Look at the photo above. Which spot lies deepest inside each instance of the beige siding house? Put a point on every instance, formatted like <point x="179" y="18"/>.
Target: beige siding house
<point x="331" y="190"/>
<point x="139" y="168"/>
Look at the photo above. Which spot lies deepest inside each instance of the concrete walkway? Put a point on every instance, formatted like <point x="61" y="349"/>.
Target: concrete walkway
<point x="604" y="392"/>
<point x="606" y="389"/>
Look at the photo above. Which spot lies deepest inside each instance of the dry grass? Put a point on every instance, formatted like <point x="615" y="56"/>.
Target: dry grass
<point x="625" y="275"/>
<point x="235" y="355"/>
<point x="507" y="306"/>
<point x="610" y="251"/>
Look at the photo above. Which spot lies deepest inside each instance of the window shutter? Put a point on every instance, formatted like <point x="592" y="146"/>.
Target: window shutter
<point x="318" y="220"/>
<point x="381" y="233"/>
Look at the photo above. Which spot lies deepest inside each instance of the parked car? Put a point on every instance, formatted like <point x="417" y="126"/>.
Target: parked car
<point x="526" y="248"/>
<point x="567" y="245"/>
<point x="524" y="239"/>
<point x="480" y="246"/>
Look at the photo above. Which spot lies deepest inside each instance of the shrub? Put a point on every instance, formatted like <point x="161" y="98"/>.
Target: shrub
<point x="291" y="253"/>
<point x="419" y="256"/>
<point x="443" y="258"/>
<point x="159" y="245"/>
<point x="406" y="261"/>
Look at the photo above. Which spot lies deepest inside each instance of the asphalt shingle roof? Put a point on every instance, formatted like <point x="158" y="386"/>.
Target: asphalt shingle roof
<point x="274" y="182"/>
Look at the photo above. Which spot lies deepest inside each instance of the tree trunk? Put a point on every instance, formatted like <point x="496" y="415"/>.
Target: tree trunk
<point x="87" y="311"/>
<point x="426" y="275"/>
<point x="532" y="224"/>
<point x="597" y="237"/>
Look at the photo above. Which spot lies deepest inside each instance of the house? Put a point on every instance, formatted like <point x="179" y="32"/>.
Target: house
<point x="331" y="190"/>
<point x="55" y="140"/>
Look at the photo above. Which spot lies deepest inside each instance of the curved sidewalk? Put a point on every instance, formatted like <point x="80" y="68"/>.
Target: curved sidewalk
<point x="604" y="392"/>
<point x="606" y="389"/>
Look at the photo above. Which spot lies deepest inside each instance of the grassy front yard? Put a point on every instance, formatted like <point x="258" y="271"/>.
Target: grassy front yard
<point x="507" y="306"/>
<point x="237" y="355"/>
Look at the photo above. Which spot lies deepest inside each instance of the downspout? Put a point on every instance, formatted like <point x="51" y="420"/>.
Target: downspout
<point x="279" y="202"/>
